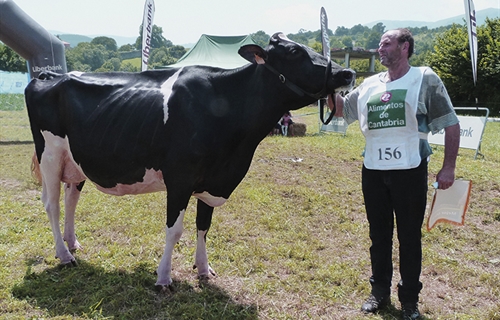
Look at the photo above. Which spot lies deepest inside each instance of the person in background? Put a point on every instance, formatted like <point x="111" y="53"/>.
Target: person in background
<point x="286" y="122"/>
<point x="396" y="110"/>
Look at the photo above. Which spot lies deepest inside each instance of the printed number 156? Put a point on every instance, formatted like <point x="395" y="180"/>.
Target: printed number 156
<point x="389" y="153"/>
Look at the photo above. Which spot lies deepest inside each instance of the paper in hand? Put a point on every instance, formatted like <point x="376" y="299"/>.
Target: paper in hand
<point x="450" y="205"/>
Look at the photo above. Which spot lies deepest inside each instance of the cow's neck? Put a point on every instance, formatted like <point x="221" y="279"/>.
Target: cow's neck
<point x="279" y="99"/>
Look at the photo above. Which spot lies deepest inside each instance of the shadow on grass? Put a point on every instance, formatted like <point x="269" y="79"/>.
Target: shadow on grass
<point x="90" y="291"/>
<point x="393" y="313"/>
<point x="12" y="143"/>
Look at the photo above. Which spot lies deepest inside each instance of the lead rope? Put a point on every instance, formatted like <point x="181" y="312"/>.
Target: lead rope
<point x="322" y="103"/>
<point x="318" y="96"/>
<point x="301" y="92"/>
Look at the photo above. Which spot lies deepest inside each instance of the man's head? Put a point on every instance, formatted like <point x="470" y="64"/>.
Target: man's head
<point x="395" y="45"/>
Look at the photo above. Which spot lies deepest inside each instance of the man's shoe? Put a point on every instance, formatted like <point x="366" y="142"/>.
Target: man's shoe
<point x="410" y="311"/>
<point x="372" y="304"/>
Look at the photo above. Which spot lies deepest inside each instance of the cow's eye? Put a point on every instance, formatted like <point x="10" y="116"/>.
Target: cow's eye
<point x="294" y="52"/>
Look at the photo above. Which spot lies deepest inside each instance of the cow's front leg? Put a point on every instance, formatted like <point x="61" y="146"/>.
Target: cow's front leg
<point x="51" y="192"/>
<point x="71" y="196"/>
<point x="203" y="222"/>
<point x="174" y="233"/>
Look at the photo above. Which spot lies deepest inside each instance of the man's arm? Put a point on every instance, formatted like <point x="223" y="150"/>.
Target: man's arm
<point x="339" y="105"/>
<point x="446" y="175"/>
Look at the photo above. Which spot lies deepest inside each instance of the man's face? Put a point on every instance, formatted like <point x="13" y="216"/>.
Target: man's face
<point x="390" y="50"/>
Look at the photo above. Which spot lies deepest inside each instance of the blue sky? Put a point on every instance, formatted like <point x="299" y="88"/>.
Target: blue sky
<point x="183" y="21"/>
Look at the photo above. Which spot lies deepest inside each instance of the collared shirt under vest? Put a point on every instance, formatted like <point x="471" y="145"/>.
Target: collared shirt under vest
<point x="387" y="115"/>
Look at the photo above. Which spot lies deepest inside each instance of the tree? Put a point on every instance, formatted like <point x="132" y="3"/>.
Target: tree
<point x="112" y="64"/>
<point x="86" y="55"/>
<point x="341" y="31"/>
<point x="299" y="38"/>
<point x="11" y="61"/>
<point x="318" y="47"/>
<point x="358" y="29"/>
<point x="373" y="40"/>
<point x="176" y="51"/>
<point x="160" y="57"/>
<point x="126" y="48"/>
<point x="347" y="41"/>
<point x="451" y="61"/>
<point x="379" y="28"/>
<point x="108" y="43"/>
<point x="157" y="39"/>
<point x="261" y="38"/>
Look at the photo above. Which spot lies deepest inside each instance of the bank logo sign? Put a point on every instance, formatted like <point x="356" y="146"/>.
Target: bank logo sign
<point x="47" y="68"/>
<point x="387" y="110"/>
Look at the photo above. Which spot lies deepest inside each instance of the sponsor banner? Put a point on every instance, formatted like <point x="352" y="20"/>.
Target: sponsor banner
<point x="13" y="82"/>
<point x="471" y="132"/>
<point x="147" y="31"/>
<point x="470" y="18"/>
<point x="325" y="39"/>
<point x="335" y="125"/>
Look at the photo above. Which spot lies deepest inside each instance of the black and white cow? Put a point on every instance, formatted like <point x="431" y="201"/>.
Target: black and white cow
<point x="191" y="131"/>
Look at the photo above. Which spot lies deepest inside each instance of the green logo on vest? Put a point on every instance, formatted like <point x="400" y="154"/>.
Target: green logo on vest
<point x="387" y="110"/>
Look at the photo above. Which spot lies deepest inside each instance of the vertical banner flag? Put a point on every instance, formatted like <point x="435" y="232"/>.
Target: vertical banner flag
<point x="325" y="42"/>
<point x="325" y="39"/>
<point x="147" y="31"/>
<point x="470" y="18"/>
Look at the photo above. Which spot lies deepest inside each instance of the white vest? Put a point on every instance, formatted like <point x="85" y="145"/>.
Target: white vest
<point x="387" y="117"/>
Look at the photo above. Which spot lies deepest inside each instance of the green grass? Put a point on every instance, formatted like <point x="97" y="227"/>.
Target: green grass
<point x="136" y="62"/>
<point x="291" y="242"/>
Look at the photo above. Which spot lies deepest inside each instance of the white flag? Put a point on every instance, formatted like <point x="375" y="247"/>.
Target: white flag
<point x="470" y="18"/>
<point x="325" y="39"/>
<point x="147" y="31"/>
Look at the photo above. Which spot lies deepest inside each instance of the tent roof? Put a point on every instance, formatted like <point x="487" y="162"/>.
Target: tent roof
<point x="215" y="51"/>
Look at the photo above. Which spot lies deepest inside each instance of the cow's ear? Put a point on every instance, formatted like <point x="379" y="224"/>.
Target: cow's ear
<point x="253" y="53"/>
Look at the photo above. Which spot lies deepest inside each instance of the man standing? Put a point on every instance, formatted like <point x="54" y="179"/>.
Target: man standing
<point x="396" y="110"/>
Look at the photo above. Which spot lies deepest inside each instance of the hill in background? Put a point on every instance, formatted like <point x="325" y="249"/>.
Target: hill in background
<point x="74" y="39"/>
<point x="481" y="16"/>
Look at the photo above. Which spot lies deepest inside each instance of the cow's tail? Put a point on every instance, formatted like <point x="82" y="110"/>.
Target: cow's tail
<point x="35" y="168"/>
<point x="33" y="94"/>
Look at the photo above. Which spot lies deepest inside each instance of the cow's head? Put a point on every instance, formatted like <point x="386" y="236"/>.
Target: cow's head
<point x="303" y="70"/>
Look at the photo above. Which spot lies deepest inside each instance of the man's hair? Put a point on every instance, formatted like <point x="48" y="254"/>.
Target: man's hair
<point x="405" y="35"/>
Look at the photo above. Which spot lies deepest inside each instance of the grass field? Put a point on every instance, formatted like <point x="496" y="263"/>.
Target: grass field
<point x="291" y="242"/>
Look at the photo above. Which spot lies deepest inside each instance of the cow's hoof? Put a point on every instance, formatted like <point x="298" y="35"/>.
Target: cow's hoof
<point x="71" y="264"/>
<point x="75" y="248"/>
<point x="204" y="277"/>
<point x="164" y="289"/>
<point x="203" y="280"/>
<point x="211" y="272"/>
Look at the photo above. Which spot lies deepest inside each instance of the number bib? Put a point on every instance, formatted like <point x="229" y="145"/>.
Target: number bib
<point x="389" y="155"/>
<point x="387" y="117"/>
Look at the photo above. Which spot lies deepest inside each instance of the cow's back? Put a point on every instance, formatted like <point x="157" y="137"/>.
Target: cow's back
<point x="114" y="122"/>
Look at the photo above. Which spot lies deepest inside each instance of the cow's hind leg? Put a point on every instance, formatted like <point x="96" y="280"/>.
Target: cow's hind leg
<point x="203" y="222"/>
<point x="176" y="208"/>
<point x="71" y="196"/>
<point x="51" y="192"/>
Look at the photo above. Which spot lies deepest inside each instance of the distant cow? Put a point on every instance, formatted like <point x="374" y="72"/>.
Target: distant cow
<point x="191" y="131"/>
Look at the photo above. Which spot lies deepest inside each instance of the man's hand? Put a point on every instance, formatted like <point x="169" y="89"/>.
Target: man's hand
<point x="445" y="178"/>
<point x="446" y="175"/>
<point x="339" y="104"/>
